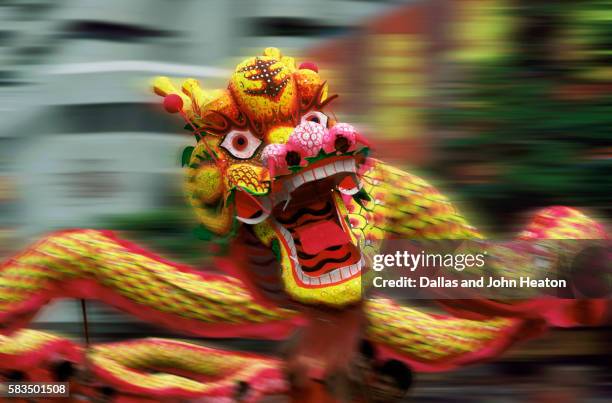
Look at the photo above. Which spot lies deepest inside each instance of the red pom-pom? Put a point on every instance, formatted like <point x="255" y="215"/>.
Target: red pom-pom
<point x="309" y="66"/>
<point x="173" y="103"/>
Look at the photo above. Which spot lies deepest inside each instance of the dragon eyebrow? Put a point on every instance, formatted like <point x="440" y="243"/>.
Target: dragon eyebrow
<point x="316" y="100"/>
<point x="327" y="101"/>
<point x="226" y="123"/>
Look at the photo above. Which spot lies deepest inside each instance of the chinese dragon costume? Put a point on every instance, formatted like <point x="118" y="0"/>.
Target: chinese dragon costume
<point x="305" y="208"/>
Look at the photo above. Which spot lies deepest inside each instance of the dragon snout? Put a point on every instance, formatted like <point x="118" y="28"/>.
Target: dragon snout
<point x="307" y="140"/>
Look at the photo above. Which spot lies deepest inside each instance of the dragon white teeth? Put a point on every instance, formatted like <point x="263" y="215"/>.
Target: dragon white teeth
<point x="325" y="278"/>
<point x="349" y="165"/>
<point x="298" y="181"/>
<point x="293" y="251"/>
<point x="305" y="278"/>
<point x="345" y="272"/>
<point x="308" y="176"/>
<point x="319" y="173"/>
<point x="289" y="185"/>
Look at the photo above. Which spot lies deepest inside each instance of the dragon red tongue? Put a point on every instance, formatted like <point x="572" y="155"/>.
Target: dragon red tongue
<point x="321" y="235"/>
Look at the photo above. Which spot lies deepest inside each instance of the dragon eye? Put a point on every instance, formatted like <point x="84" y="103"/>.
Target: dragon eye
<point x="241" y="144"/>
<point x="316" y="117"/>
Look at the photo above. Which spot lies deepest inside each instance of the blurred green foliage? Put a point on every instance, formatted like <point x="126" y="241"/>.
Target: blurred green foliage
<point x="533" y="127"/>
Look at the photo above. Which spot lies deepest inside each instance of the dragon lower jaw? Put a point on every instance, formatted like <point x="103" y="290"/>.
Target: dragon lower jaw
<point x="335" y="276"/>
<point x="309" y="222"/>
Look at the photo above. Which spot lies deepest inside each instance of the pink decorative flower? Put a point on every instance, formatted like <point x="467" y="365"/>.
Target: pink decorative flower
<point x="307" y="139"/>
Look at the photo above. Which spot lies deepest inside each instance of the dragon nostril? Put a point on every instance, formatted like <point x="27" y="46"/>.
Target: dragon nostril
<point x="341" y="144"/>
<point x="293" y="158"/>
<point x="341" y="138"/>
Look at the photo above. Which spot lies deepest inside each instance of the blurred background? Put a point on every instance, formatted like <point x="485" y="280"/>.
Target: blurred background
<point x="504" y="104"/>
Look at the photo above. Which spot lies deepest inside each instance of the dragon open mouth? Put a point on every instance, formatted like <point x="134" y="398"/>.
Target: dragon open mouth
<point x="311" y="228"/>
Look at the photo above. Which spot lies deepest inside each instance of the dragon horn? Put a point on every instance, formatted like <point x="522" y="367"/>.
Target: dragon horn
<point x="163" y="87"/>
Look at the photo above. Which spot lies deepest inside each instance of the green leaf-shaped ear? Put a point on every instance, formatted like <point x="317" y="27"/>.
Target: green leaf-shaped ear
<point x="186" y="157"/>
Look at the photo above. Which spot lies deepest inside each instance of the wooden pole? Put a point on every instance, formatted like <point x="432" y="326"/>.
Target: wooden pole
<point x="85" y="322"/>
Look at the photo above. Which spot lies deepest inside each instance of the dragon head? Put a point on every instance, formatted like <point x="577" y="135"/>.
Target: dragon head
<point x="267" y="155"/>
